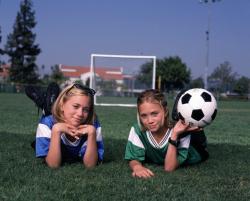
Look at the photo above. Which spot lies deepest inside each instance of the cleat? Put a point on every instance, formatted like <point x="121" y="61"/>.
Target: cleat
<point x="175" y="115"/>
<point x="36" y="95"/>
<point x="52" y="93"/>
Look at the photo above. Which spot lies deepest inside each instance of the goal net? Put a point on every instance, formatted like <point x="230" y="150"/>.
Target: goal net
<point x="118" y="79"/>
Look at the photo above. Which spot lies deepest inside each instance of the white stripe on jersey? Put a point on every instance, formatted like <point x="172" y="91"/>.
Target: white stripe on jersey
<point x="151" y="139"/>
<point x="98" y="134"/>
<point x="134" y="138"/>
<point x="185" y="142"/>
<point x="163" y="141"/>
<point x="43" y="131"/>
<point x="66" y="141"/>
<point x="76" y="142"/>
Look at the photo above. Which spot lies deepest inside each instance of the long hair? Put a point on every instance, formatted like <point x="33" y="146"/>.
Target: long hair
<point x="66" y="94"/>
<point x="152" y="96"/>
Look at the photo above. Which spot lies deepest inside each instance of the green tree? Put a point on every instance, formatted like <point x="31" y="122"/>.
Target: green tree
<point x="1" y="50"/>
<point x="21" y="46"/>
<point x="56" y="75"/>
<point x="224" y="76"/>
<point x="174" y="73"/>
<point x="145" y="74"/>
<point x="197" y="83"/>
<point x="242" y="85"/>
<point x="171" y="72"/>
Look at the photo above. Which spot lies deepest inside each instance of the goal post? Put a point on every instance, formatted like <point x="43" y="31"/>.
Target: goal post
<point x="94" y="74"/>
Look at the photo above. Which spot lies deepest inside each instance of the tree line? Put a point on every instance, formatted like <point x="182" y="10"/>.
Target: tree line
<point x="171" y="72"/>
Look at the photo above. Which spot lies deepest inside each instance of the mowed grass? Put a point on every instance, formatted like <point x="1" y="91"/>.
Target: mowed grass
<point x="225" y="176"/>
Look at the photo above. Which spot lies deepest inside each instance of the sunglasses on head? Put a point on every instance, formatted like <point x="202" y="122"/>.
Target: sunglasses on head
<point x="87" y="89"/>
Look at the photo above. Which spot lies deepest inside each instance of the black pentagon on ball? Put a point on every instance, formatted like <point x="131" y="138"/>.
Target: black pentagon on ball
<point x="185" y="99"/>
<point x="197" y="114"/>
<point x="181" y="117"/>
<point x="206" y="97"/>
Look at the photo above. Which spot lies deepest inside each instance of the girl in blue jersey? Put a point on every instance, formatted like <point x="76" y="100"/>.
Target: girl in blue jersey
<point x="153" y="139"/>
<point x="72" y="132"/>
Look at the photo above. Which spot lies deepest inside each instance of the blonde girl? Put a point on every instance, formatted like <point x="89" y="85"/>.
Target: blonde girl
<point x="72" y="133"/>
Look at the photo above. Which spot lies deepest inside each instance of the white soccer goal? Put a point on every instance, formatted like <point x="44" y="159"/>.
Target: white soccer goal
<point x="115" y="86"/>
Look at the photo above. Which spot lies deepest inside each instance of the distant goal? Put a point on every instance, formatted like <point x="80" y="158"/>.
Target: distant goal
<point x="115" y="78"/>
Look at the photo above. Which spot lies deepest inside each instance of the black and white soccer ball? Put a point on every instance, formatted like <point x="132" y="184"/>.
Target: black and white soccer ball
<point x="197" y="107"/>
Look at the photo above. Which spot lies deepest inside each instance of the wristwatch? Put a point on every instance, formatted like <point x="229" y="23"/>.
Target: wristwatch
<point x="174" y="142"/>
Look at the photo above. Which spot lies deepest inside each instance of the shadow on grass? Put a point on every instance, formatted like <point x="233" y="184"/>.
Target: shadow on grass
<point x="219" y="153"/>
<point x="115" y="149"/>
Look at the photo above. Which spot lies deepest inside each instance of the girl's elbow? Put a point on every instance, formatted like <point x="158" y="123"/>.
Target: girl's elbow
<point x="52" y="165"/>
<point x="170" y="168"/>
<point x="89" y="165"/>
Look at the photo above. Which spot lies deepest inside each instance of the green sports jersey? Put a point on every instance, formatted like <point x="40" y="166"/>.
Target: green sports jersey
<point x="142" y="146"/>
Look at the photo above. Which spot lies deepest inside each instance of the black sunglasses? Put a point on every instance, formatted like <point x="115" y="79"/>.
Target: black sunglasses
<point x="87" y="89"/>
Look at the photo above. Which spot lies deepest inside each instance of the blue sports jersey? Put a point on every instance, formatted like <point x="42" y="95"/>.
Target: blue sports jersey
<point x="74" y="149"/>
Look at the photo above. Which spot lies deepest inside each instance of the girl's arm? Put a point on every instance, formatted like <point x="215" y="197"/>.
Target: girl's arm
<point x="90" y="158"/>
<point x="53" y="158"/>
<point x="138" y="170"/>
<point x="171" y="163"/>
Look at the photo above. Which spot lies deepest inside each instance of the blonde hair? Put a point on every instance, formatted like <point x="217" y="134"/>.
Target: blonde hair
<point x="66" y="94"/>
<point x="152" y="96"/>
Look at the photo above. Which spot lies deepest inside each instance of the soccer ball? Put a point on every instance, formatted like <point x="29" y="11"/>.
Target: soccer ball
<point x="197" y="107"/>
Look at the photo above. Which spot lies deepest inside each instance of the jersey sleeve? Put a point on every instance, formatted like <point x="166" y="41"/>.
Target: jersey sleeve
<point x="183" y="149"/>
<point x="135" y="149"/>
<point x="43" y="135"/>
<point x="99" y="142"/>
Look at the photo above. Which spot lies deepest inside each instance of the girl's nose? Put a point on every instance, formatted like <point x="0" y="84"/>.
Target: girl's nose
<point x="150" y="120"/>
<point x="80" y="112"/>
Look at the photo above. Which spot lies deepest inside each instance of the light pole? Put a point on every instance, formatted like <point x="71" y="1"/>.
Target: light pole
<point x="208" y="2"/>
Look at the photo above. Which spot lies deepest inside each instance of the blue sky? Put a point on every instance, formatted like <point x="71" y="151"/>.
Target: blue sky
<point x="68" y="31"/>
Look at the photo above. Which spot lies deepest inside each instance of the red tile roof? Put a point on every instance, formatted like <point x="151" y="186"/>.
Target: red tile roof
<point x="4" y="70"/>
<point x="104" y="73"/>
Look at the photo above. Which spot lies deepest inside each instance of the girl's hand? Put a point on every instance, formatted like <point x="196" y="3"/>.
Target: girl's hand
<point x="64" y="128"/>
<point x="181" y="127"/>
<point x="142" y="172"/>
<point x="85" y="130"/>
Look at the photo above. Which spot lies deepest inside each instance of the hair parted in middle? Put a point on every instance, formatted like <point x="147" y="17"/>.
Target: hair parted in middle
<point x="69" y="91"/>
<point x="153" y="96"/>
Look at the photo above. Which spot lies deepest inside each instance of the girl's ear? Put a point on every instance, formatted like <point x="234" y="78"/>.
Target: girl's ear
<point x="166" y="112"/>
<point x="62" y="108"/>
<point x="138" y="120"/>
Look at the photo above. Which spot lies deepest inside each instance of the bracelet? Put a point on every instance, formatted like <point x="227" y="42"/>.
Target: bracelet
<point x="174" y="142"/>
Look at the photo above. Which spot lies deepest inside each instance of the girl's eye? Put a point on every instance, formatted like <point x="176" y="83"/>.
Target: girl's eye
<point x="154" y="114"/>
<point x="85" y="110"/>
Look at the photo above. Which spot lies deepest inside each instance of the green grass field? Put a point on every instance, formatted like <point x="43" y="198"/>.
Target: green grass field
<point x="224" y="177"/>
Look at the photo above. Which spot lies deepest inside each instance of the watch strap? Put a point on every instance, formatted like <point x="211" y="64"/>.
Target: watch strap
<point x="174" y="142"/>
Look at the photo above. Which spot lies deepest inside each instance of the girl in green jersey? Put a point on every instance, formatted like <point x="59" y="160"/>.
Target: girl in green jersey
<point x="154" y="139"/>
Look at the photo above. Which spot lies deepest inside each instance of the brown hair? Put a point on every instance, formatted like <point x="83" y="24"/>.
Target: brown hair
<point x="153" y="96"/>
<point x="66" y="94"/>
